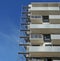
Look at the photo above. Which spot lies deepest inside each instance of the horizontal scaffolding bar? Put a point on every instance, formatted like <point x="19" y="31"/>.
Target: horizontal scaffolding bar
<point x="25" y="24"/>
<point x="23" y="52"/>
<point x="27" y="40"/>
<point x="25" y="18"/>
<point x="25" y="12"/>
<point x="24" y="36"/>
<point x="26" y="7"/>
<point x="25" y="30"/>
<point x="26" y="44"/>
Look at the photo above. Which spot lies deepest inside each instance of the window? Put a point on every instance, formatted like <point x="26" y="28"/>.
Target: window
<point x="45" y="18"/>
<point x="36" y="59"/>
<point x="36" y="36"/>
<point x="49" y="59"/>
<point x="35" y="16"/>
<point x="47" y="37"/>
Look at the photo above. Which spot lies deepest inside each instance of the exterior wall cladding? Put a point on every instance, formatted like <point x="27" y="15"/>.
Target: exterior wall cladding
<point x="43" y="29"/>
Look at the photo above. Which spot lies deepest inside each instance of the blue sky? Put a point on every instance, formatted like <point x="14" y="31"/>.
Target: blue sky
<point x="10" y="11"/>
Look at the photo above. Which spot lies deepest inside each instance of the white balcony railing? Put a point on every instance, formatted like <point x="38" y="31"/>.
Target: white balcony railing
<point x="39" y="26"/>
<point x="55" y="39"/>
<point x="55" y="36"/>
<point x="54" y="16"/>
<point x="44" y="8"/>
<point x="45" y="28"/>
<point x="54" y="19"/>
<point x="44" y="49"/>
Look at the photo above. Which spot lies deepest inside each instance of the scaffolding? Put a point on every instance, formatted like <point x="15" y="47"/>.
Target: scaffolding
<point x="24" y="36"/>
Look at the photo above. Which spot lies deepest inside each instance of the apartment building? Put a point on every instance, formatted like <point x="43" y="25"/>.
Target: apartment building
<point x="43" y="32"/>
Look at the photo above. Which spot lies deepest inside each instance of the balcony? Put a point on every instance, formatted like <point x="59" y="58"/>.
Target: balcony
<point x="44" y="51"/>
<point x="45" y="28"/>
<point x="54" y="19"/>
<point x="55" y="39"/>
<point x="36" y="39"/>
<point x="45" y="10"/>
<point x="36" y="19"/>
<point x="45" y="4"/>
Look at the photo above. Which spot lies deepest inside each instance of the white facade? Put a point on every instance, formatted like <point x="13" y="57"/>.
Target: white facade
<point x="44" y="32"/>
<point x="44" y="25"/>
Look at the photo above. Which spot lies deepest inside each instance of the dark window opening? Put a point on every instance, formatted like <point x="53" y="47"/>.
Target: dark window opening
<point x="49" y="59"/>
<point x="45" y="18"/>
<point x="47" y="37"/>
<point x="55" y="45"/>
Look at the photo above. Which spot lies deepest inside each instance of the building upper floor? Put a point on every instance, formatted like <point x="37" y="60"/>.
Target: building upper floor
<point x="44" y="6"/>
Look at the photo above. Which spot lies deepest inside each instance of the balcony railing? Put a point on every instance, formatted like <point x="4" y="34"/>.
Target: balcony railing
<point x="45" y="4"/>
<point x="36" y="39"/>
<point x="44" y="51"/>
<point x="55" y="39"/>
<point x="38" y="26"/>
<point x="54" y="16"/>
<point x="36" y="19"/>
<point x="45" y="28"/>
<point x="54" y="19"/>
<point x="36" y="36"/>
<point x="44" y="8"/>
